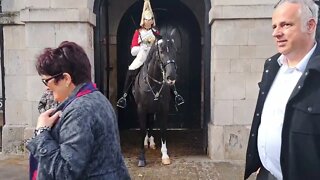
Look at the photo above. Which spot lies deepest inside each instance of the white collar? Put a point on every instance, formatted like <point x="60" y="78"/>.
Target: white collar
<point x="301" y="66"/>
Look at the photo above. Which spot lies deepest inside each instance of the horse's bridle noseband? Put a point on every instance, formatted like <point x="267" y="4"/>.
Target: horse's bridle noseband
<point x="169" y="62"/>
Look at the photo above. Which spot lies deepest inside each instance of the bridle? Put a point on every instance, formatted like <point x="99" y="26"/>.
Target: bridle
<point x="163" y="65"/>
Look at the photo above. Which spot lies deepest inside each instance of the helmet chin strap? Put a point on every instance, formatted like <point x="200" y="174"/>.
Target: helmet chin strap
<point x="147" y="28"/>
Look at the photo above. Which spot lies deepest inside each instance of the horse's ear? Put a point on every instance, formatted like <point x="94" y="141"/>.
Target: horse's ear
<point x="173" y="35"/>
<point x="173" y="31"/>
<point x="159" y="41"/>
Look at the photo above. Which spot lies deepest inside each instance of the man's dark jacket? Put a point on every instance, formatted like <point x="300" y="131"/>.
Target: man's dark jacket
<point x="300" y="148"/>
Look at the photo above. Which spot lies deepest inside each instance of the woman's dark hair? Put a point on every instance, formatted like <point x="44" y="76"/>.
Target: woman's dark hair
<point x="70" y="58"/>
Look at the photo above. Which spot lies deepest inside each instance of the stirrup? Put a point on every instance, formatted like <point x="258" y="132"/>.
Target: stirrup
<point x="179" y="99"/>
<point x="122" y="102"/>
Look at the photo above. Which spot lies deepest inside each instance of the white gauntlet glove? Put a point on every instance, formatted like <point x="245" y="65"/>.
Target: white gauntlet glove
<point x="135" y="50"/>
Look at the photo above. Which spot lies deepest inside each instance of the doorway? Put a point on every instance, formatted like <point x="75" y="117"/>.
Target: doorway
<point x="168" y="14"/>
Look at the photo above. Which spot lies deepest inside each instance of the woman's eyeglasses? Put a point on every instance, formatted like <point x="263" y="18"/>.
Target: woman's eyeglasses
<point x="45" y="81"/>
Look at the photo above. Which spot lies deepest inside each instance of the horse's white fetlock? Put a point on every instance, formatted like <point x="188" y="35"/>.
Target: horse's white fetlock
<point x="146" y="141"/>
<point x="152" y="143"/>
<point x="165" y="157"/>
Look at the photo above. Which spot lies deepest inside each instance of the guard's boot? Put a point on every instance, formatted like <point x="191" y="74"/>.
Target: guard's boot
<point x="131" y="74"/>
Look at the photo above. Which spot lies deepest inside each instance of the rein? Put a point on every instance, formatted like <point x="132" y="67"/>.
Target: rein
<point x="162" y="68"/>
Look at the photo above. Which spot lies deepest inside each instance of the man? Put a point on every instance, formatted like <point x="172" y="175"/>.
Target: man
<point x="284" y="141"/>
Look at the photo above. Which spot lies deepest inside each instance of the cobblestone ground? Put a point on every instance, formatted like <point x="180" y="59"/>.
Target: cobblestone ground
<point x="182" y="168"/>
<point x="185" y="168"/>
<point x="13" y="167"/>
<point x="188" y="159"/>
<point x="188" y="162"/>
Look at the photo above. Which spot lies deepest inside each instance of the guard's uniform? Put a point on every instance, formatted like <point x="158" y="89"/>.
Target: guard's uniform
<point x="140" y="46"/>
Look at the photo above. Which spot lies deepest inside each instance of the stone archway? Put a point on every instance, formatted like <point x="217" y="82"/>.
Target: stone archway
<point x="105" y="49"/>
<point x="188" y="61"/>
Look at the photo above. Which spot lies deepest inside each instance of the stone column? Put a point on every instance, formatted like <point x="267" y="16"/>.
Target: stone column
<point x="241" y="41"/>
<point x="35" y="26"/>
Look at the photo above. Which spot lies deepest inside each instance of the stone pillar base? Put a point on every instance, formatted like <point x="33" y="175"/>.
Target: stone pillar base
<point x="227" y="142"/>
<point x="13" y="139"/>
<point x="215" y="142"/>
<point x="0" y="138"/>
<point x="1" y="126"/>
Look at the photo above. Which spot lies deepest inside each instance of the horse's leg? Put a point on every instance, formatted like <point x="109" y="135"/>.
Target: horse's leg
<point x="146" y="139"/>
<point x="151" y="134"/>
<point x="163" y="117"/>
<point x="143" y="132"/>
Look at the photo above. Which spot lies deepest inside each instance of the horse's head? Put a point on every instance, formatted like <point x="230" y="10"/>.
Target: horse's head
<point x="167" y="53"/>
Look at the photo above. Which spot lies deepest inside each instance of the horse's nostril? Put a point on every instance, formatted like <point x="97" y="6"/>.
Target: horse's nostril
<point x="170" y="78"/>
<point x="171" y="82"/>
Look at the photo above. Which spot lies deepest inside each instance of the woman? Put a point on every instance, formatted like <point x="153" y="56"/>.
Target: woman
<point x="80" y="139"/>
<point x="142" y="40"/>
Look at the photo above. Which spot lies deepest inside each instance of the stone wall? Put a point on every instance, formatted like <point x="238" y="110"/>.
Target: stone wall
<point x="30" y="27"/>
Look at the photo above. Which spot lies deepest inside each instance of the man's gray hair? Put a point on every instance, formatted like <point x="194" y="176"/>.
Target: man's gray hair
<point x="309" y="9"/>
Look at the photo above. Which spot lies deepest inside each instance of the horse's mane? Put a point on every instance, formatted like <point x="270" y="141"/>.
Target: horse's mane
<point x="151" y="54"/>
<point x="153" y="50"/>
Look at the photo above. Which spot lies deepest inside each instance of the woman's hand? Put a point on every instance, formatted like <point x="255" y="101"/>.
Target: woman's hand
<point x="46" y="120"/>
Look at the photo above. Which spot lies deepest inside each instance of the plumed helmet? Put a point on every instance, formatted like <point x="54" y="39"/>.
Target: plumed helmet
<point x="147" y="12"/>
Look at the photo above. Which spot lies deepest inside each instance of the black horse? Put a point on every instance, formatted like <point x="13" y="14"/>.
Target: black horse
<point x="152" y="94"/>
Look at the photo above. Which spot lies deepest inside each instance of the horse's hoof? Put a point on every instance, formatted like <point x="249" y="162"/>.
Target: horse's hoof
<point x="142" y="163"/>
<point x="166" y="161"/>
<point x="153" y="146"/>
<point x="146" y="146"/>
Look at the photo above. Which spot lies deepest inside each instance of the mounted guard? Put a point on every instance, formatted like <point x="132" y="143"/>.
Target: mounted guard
<point x="142" y="40"/>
